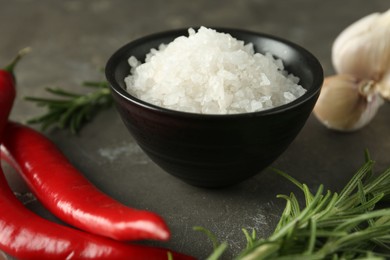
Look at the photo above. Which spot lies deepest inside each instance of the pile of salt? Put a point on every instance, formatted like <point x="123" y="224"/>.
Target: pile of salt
<point x="210" y="72"/>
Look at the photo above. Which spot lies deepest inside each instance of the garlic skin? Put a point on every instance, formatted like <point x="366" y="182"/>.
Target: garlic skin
<point x="346" y="103"/>
<point x="384" y="86"/>
<point x="363" y="50"/>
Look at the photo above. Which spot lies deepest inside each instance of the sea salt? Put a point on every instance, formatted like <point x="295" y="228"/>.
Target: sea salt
<point x="210" y="72"/>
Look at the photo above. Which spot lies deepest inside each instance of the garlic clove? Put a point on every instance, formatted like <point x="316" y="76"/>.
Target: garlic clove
<point x="347" y="104"/>
<point x="363" y="48"/>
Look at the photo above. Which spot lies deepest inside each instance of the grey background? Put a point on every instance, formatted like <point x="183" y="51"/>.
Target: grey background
<point x="72" y="40"/>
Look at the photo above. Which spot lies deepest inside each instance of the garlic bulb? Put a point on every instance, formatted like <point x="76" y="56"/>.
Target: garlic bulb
<point x="363" y="50"/>
<point x="347" y="104"/>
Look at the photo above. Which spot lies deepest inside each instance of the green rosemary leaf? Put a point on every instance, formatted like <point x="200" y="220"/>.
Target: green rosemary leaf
<point x="285" y="217"/>
<point x="209" y="234"/>
<point x="48" y="102"/>
<point x="61" y="92"/>
<point x="49" y="120"/>
<point x="66" y="117"/>
<point x="288" y="177"/>
<point x="310" y="209"/>
<point x="329" y="208"/>
<point x="83" y="115"/>
<point x="250" y="238"/>
<point x="363" y="200"/>
<point x="264" y="249"/>
<point x="367" y="157"/>
<point x="322" y="205"/>
<point x="379" y="182"/>
<point x="308" y="194"/>
<point x="219" y="248"/>
<point x="74" y="123"/>
<point x="40" y="119"/>
<point x="352" y="184"/>
<point x="312" y="237"/>
<point x="218" y="252"/>
<point x="361" y="193"/>
<point x="72" y="110"/>
<point x="295" y="209"/>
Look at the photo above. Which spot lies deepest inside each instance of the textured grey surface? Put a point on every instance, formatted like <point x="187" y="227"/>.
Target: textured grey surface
<point x="71" y="41"/>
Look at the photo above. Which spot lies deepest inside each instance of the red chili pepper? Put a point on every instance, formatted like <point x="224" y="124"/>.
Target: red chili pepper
<point x="8" y="90"/>
<point x="25" y="235"/>
<point x="7" y="96"/>
<point x="64" y="191"/>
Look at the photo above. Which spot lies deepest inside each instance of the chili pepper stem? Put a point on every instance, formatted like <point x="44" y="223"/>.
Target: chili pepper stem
<point x="10" y="67"/>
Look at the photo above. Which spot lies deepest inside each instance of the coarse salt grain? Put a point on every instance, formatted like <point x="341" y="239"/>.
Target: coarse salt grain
<point x="210" y="72"/>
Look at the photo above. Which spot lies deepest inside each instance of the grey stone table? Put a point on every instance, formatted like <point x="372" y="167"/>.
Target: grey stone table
<point x="72" y="40"/>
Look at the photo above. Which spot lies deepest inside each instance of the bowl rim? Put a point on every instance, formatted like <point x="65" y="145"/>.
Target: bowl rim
<point x="308" y="95"/>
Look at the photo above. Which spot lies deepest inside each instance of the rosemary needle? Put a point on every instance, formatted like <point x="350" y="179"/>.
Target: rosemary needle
<point x="69" y="110"/>
<point x="330" y="225"/>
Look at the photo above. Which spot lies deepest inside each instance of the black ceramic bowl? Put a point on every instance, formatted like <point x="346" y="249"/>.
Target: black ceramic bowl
<point x="215" y="150"/>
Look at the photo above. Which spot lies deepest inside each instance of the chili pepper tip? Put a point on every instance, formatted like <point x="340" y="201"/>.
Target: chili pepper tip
<point x="10" y="67"/>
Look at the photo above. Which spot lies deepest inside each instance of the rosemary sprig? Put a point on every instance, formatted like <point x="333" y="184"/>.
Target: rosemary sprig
<point x="331" y="225"/>
<point x="69" y="110"/>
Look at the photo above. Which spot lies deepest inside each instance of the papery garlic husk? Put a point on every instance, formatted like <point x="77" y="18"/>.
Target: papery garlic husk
<point x="346" y="103"/>
<point x="363" y="50"/>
